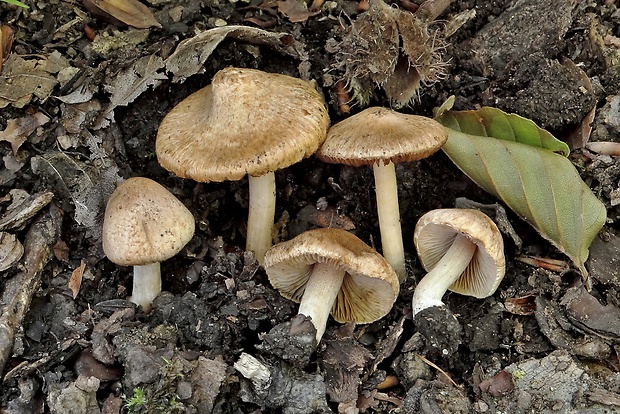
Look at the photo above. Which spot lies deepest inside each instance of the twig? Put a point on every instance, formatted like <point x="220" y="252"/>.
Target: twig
<point x="437" y="368"/>
<point x="18" y="291"/>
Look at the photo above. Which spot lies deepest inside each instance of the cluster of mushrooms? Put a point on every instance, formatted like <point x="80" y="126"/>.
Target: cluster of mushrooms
<point x="266" y="122"/>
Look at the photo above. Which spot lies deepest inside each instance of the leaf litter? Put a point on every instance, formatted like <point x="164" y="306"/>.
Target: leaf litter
<point x="88" y="158"/>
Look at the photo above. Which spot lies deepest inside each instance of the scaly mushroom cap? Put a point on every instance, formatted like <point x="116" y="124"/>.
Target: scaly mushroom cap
<point x="245" y="122"/>
<point x="370" y="285"/>
<point x="381" y="135"/>
<point x="144" y="223"/>
<point x="434" y="234"/>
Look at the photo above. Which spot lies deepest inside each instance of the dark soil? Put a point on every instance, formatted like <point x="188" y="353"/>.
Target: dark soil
<point x="216" y="339"/>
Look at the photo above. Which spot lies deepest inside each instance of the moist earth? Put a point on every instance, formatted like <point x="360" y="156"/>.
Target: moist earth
<point x="218" y="338"/>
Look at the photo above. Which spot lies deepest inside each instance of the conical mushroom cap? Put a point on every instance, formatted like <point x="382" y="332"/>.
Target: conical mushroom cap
<point x="370" y="285"/>
<point x="381" y="135"/>
<point x="144" y="223"/>
<point x="245" y="122"/>
<point x="434" y="234"/>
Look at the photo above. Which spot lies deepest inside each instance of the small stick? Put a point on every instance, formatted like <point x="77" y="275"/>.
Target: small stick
<point x="18" y="291"/>
<point x="432" y="364"/>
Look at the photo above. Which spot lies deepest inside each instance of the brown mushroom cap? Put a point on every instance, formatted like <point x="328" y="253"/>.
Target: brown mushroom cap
<point x="245" y="122"/>
<point x="434" y="234"/>
<point x="144" y="223"/>
<point x="370" y="285"/>
<point x="381" y="135"/>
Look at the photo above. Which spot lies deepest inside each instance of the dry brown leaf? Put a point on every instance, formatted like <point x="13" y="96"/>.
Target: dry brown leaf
<point x="296" y="10"/>
<point x="23" y="78"/>
<point x="524" y="305"/>
<point x="76" y="279"/>
<point x="6" y="42"/>
<point x="190" y="54"/>
<point x="121" y="12"/>
<point x="11" y="250"/>
<point x="61" y="251"/>
<point x="131" y="82"/>
<point x="18" y="129"/>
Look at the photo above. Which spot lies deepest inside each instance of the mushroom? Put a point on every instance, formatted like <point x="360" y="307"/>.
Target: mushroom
<point x="245" y="122"/>
<point x="144" y="224"/>
<point x="331" y="270"/>
<point x="381" y="137"/>
<point x="462" y="250"/>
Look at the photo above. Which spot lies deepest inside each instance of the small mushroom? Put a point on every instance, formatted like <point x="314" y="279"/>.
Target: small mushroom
<point x="144" y="224"/>
<point x="381" y="137"/>
<point x="331" y="270"/>
<point x="245" y="122"/>
<point x="462" y="250"/>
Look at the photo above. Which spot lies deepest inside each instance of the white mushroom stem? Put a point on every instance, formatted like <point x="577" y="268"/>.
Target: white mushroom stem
<point x="389" y="217"/>
<point x="320" y="294"/>
<point x="261" y="214"/>
<point x="146" y="285"/>
<point x="434" y="285"/>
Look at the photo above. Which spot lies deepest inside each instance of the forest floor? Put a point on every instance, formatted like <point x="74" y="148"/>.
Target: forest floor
<point x="83" y="90"/>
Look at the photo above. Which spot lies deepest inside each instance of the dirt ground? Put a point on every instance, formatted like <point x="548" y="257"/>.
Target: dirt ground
<point x="83" y="91"/>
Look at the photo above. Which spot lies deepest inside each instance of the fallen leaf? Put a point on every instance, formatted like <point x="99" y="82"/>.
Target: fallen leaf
<point x="22" y="79"/>
<point x="71" y="179"/>
<point x="132" y="82"/>
<point x="61" y="251"/>
<point x="518" y="162"/>
<point x="77" y="117"/>
<point x="18" y="129"/>
<point x="113" y="40"/>
<point x="76" y="279"/>
<point x="191" y="54"/>
<point x="524" y="305"/>
<point x="121" y="12"/>
<point x="296" y="10"/>
<point x="11" y="250"/>
<point x="12" y="165"/>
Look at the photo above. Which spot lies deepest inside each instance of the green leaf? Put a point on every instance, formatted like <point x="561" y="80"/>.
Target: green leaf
<point x="494" y="123"/>
<point x="513" y="159"/>
<point x="16" y="3"/>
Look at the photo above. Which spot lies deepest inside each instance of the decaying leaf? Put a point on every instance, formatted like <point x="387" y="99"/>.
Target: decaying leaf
<point x="11" y="166"/>
<point x="76" y="279"/>
<point x="524" y="305"/>
<point x="115" y="40"/>
<point x="513" y="159"/>
<point x="11" y="250"/>
<point x="122" y="12"/>
<point x="77" y="117"/>
<point x="190" y="54"/>
<point x="83" y="93"/>
<point x="296" y="10"/>
<point x="18" y="129"/>
<point x="72" y="179"/>
<point x="21" y="79"/>
<point x="391" y="48"/>
<point x="133" y="81"/>
<point x="80" y="185"/>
